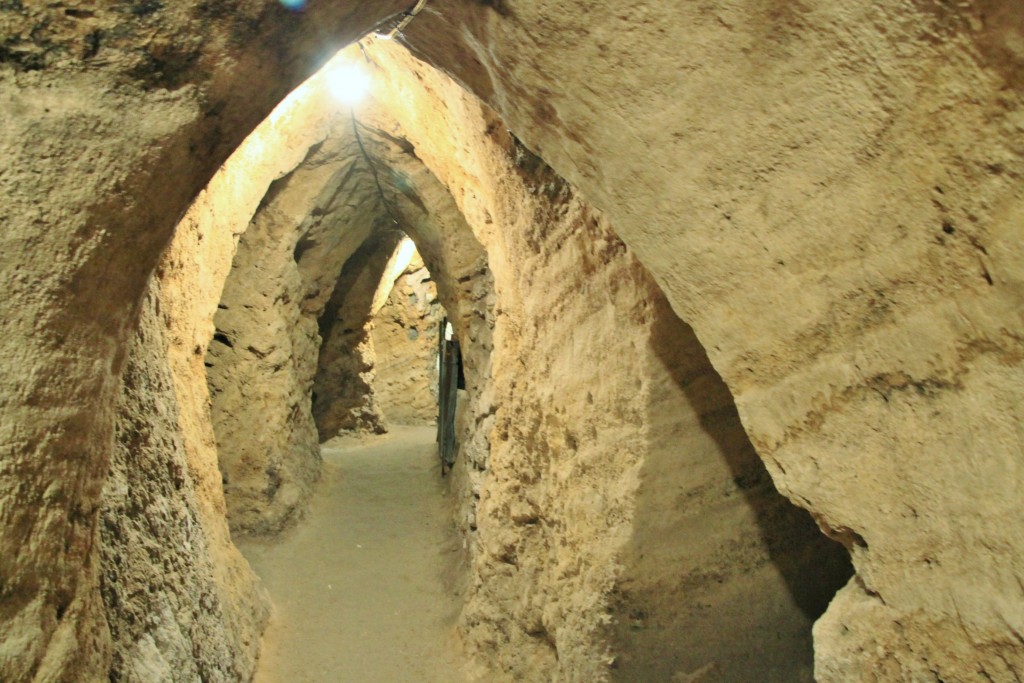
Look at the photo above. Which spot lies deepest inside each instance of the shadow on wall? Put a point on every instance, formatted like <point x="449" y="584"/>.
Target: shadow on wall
<point x="343" y="397"/>
<point x="723" y="577"/>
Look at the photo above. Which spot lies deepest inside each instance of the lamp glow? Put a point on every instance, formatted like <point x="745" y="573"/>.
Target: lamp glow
<point x="399" y="261"/>
<point x="348" y="83"/>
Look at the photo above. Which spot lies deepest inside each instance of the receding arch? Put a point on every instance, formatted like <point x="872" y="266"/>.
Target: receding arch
<point x="707" y="222"/>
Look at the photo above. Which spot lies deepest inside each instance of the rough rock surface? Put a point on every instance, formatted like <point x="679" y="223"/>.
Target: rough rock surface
<point x="263" y="357"/>
<point x="377" y="362"/>
<point x="405" y="338"/>
<point x="343" y="397"/>
<point x="167" y="463"/>
<point x="721" y="578"/>
<point x="460" y="265"/>
<point x="606" y="413"/>
<point x="173" y="613"/>
<point x="828" y="193"/>
<point x="114" y="118"/>
<point x="288" y="292"/>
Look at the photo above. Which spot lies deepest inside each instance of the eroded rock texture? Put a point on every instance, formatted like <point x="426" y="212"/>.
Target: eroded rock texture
<point x="293" y="320"/>
<point x="173" y="585"/>
<point x="263" y="357"/>
<point x="343" y="396"/>
<point x="113" y="120"/>
<point x="377" y="363"/>
<point x="405" y="337"/>
<point x="180" y="602"/>
<point x="460" y="262"/>
<point x="828" y="193"/>
<point x="721" y="578"/>
<point x="605" y="410"/>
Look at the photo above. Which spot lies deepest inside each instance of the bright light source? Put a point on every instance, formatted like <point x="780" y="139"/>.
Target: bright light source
<point x="406" y="250"/>
<point x="348" y="83"/>
<point x="399" y="261"/>
<point x="294" y="5"/>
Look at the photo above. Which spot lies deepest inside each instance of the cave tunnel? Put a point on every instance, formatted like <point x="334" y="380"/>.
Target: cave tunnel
<point x="739" y="349"/>
<point x="633" y="461"/>
<point x="318" y="335"/>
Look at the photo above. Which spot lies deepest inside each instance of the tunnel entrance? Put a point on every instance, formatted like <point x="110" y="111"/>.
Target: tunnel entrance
<point x="324" y="368"/>
<point x="328" y="320"/>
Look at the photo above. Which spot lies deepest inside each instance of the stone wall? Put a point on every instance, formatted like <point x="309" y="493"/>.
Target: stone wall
<point x="721" y="578"/>
<point x="343" y="391"/>
<point x="262" y="360"/>
<point x="293" y="320"/>
<point x="461" y="268"/>
<point x="828" y="193"/>
<point x="180" y="602"/>
<point x="114" y="118"/>
<point x="605" y="410"/>
<point x="178" y="598"/>
<point x="405" y="338"/>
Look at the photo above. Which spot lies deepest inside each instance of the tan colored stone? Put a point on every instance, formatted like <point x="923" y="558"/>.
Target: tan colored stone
<point x="104" y="145"/>
<point x="589" y="398"/>
<point x="343" y="395"/>
<point x="262" y="362"/>
<point x="405" y="338"/>
<point x="828" y="193"/>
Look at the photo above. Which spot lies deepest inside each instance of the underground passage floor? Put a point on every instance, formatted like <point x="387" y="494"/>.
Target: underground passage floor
<point x="365" y="588"/>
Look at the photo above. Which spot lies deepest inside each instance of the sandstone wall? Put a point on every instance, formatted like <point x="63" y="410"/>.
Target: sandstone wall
<point x="721" y="578"/>
<point x="405" y="338"/>
<point x="377" y="361"/>
<point x="263" y="358"/>
<point x="303" y="229"/>
<point x="179" y="599"/>
<point x="180" y="603"/>
<point x="343" y="390"/>
<point x="600" y="421"/>
<point x="830" y="195"/>
<point x="113" y="120"/>
<point x="173" y="585"/>
<point x="452" y="251"/>
<point x="288" y="291"/>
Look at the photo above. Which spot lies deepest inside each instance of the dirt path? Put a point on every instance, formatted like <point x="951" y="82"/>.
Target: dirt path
<point x="363" y="589"/>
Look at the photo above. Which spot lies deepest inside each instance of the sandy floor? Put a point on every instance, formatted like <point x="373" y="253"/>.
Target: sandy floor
<point x="363" y="589"/>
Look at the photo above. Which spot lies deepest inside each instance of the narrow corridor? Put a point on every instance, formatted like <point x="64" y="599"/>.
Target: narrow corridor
<point x="364" y="587"/>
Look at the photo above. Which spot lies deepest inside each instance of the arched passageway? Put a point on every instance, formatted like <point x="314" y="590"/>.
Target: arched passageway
<point x="575" y="394"/>
<point x="846" y="256"/>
